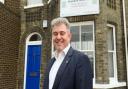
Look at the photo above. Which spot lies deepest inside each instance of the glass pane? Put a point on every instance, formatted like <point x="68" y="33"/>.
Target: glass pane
<point x="32" y="2"/>
<point x="110" y="64"/>
<point x="75" y="37"/>
<point x="87" y="37"/>
<point x="91" y="56"/>
<point x="35" y="37"/>
<point x="110" y="39"/>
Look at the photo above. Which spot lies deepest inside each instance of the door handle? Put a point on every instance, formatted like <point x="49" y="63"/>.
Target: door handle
<point x="33" y="74"/>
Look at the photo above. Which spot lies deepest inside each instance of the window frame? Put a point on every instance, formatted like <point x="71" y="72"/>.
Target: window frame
<point x="113" y="79"/>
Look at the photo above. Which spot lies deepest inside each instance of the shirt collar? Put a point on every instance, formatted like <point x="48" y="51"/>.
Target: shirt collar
<point x="65" y="51"/>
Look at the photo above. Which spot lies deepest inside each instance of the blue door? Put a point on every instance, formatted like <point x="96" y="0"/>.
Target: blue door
<point x="33" y="67"/>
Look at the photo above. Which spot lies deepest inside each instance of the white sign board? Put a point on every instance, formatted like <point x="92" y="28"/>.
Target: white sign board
<point x="78" y="7"/>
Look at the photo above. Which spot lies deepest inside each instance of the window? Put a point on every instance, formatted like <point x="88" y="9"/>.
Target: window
<point x="35" y="37"/>
<point x="34" y="3"/>
<point x="112" y="65"/>
<point x="83" y="39"/>
<point x="111" y="4"/>
<point x="2" y="1"/>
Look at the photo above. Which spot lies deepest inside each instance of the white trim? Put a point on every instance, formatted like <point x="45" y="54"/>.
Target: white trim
<point x="26" y="50"/>
<point x="94" y="61"/>
<point x="112" y="85"/>
<point x="27" y="40"/>
<point x="34" y="5"/>
<point x="125" y="34"/>
<point x="34" y="43"/>
<point x="2" y="1"/>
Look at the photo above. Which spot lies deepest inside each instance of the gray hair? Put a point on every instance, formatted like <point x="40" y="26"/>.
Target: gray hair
<point x="60" y="20"/>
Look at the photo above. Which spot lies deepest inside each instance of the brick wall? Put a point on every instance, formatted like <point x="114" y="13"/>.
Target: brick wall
<point x="9" y="41"/>
<point x="13" y="5"/>
<point x="109" y="16"/>
<point x="32" y="21"/>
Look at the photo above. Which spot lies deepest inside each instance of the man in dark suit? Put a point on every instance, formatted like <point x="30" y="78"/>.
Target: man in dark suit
<point x="68" y="69"/>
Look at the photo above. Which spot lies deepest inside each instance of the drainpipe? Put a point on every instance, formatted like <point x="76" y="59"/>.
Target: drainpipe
<point x="125" y="33"/>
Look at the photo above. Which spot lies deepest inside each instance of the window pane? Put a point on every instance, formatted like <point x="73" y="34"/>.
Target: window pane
<point x="35" y="37"/>
<point x="87" y="37"/>
<point x="110" y="64"/>
<point x="110" y="38"/>
<point x="75" y="37"/>
<point x="91" y="57"/>
<point x="32" y="2"/>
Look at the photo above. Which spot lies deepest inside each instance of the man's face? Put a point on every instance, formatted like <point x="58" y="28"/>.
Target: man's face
<point x="61" y="37"/>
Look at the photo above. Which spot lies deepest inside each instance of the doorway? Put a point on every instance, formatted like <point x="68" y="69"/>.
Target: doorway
<point x="33" y="61"/>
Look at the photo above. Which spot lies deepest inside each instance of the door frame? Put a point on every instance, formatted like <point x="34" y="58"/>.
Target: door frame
<point x="26" y="52"/>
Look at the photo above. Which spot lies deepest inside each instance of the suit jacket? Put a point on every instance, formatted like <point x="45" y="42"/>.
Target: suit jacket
<point x="75" y="72"/>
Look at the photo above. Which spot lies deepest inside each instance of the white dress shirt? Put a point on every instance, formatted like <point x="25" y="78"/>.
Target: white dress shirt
<point x="54" y="69"/>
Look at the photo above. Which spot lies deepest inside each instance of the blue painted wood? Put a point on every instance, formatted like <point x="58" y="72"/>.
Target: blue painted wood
<point x="33" y="67"/>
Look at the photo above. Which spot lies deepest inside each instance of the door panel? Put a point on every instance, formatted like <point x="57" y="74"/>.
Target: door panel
<point x="33" y="67"/>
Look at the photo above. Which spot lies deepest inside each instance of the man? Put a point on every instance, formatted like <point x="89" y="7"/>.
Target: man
<point x="68" y="69"/>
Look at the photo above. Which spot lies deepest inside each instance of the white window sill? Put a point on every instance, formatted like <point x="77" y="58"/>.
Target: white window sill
<point x="111" y="85"/>
<point x="31" y="6"/>
<point x="2" y="1"/>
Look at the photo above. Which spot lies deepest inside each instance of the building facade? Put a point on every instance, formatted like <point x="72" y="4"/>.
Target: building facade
<point x="100" y="36"/>
<point x="9" y="43"/>
<point x="99" y="33"/>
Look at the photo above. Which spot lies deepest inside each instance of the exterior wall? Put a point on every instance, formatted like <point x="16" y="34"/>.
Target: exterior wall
<point x="32" y="21"/>
<point x="13" y="5"/>
<point x="13" y="41"/>
<point x="106" y="16"/>
<point x="9" y="44"/>
<point x="110" y="16"/>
